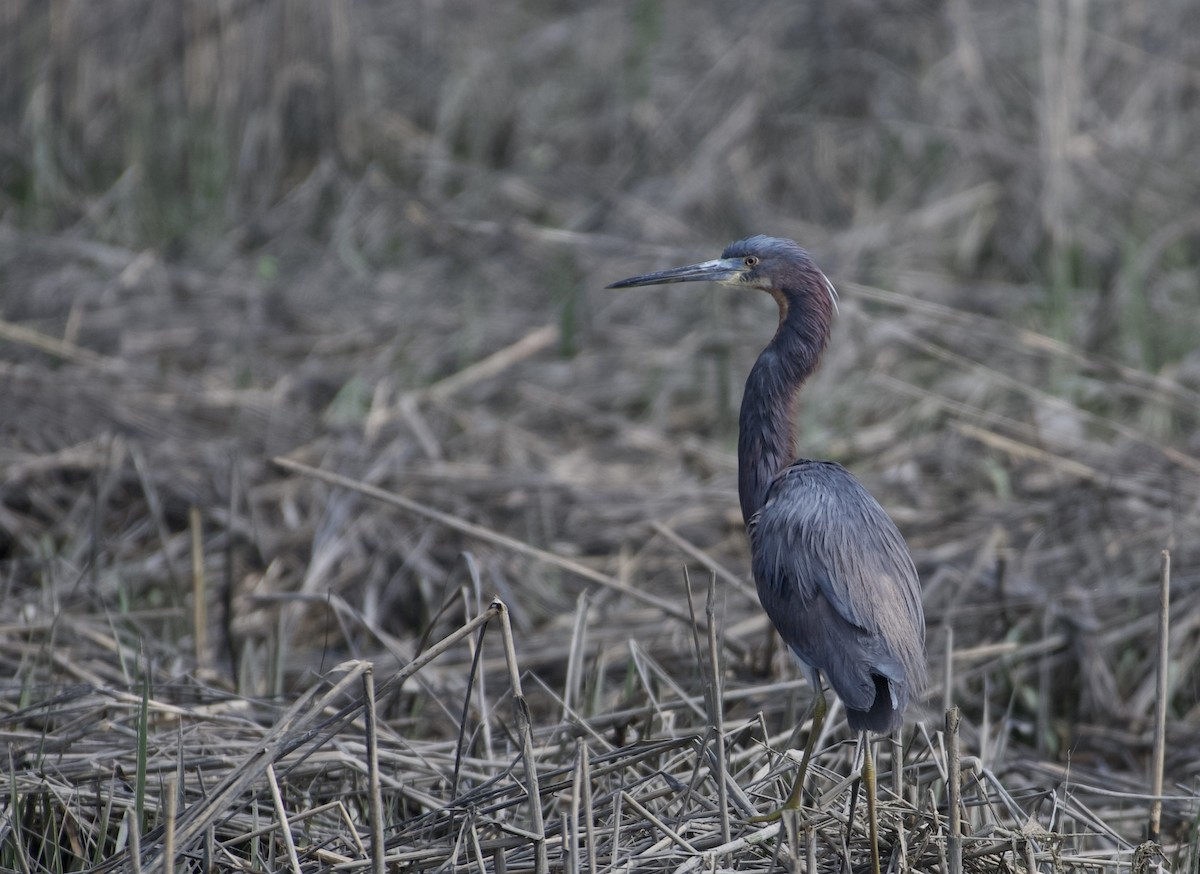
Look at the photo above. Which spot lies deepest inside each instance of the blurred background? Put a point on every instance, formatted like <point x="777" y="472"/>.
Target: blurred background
<point x="375" y="237"/>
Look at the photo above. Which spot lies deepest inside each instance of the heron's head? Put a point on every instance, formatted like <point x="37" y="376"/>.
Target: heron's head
<point x="777" y="266"/>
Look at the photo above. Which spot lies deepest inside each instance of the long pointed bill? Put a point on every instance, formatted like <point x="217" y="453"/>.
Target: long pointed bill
<point x="720" y="270"/>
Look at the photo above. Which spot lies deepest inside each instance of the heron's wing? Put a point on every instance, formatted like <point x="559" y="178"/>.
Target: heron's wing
<point x="835" y="576"/>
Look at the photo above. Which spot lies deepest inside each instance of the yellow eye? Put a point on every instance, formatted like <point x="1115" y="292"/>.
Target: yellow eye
<point x="751" y="261"/>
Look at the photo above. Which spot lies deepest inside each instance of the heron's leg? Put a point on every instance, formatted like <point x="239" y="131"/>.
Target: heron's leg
<point x="818" y="710"/>
<point x="868" y="778"/>
<point x="818" y="722"/>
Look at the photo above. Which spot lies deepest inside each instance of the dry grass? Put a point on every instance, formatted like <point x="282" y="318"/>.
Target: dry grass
<point x="249" y="248"/>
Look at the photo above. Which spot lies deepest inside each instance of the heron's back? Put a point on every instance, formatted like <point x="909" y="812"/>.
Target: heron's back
<point x="835" y="577"/>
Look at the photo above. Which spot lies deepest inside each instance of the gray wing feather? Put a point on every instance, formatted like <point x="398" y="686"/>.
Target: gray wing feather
<point x="835" y="577"/>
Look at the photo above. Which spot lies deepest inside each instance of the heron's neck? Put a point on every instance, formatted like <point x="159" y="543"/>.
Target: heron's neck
<point x="766" y="444"/>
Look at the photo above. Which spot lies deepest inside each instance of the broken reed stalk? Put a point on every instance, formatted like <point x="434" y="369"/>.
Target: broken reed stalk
<point x="525" y="730"/>
<point x="1160" y="700"/>
<point x="954" y="786"/>
<point x="135" y="843"/>
<point x="718" y="714"/>
<point x="572" y="843"/>
<point x="374" y="790"/>
<point x="936" y="826"/>
<point x="285" y="828"/>
<point x="172" y="800"/>
<point x="670" y="833"/>
<point x="473" y="679"/>
<point x="897" y="747"/>
<point x="576" y="659"/>
<point x="143" y="744"/>
<point x="585" y="782"/>
<point x="351" y="830"/>
<point x="199" y="602"/>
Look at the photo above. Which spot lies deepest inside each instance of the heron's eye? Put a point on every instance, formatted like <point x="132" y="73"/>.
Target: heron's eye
<point x="751" y="261"/>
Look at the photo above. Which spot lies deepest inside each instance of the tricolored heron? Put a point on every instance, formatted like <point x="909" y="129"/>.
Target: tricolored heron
<point x="832" y="571"/>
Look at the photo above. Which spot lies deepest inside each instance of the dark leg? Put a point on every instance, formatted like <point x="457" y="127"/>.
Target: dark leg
<point x="793" y="800"/>
<point x="868" y="778"/>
